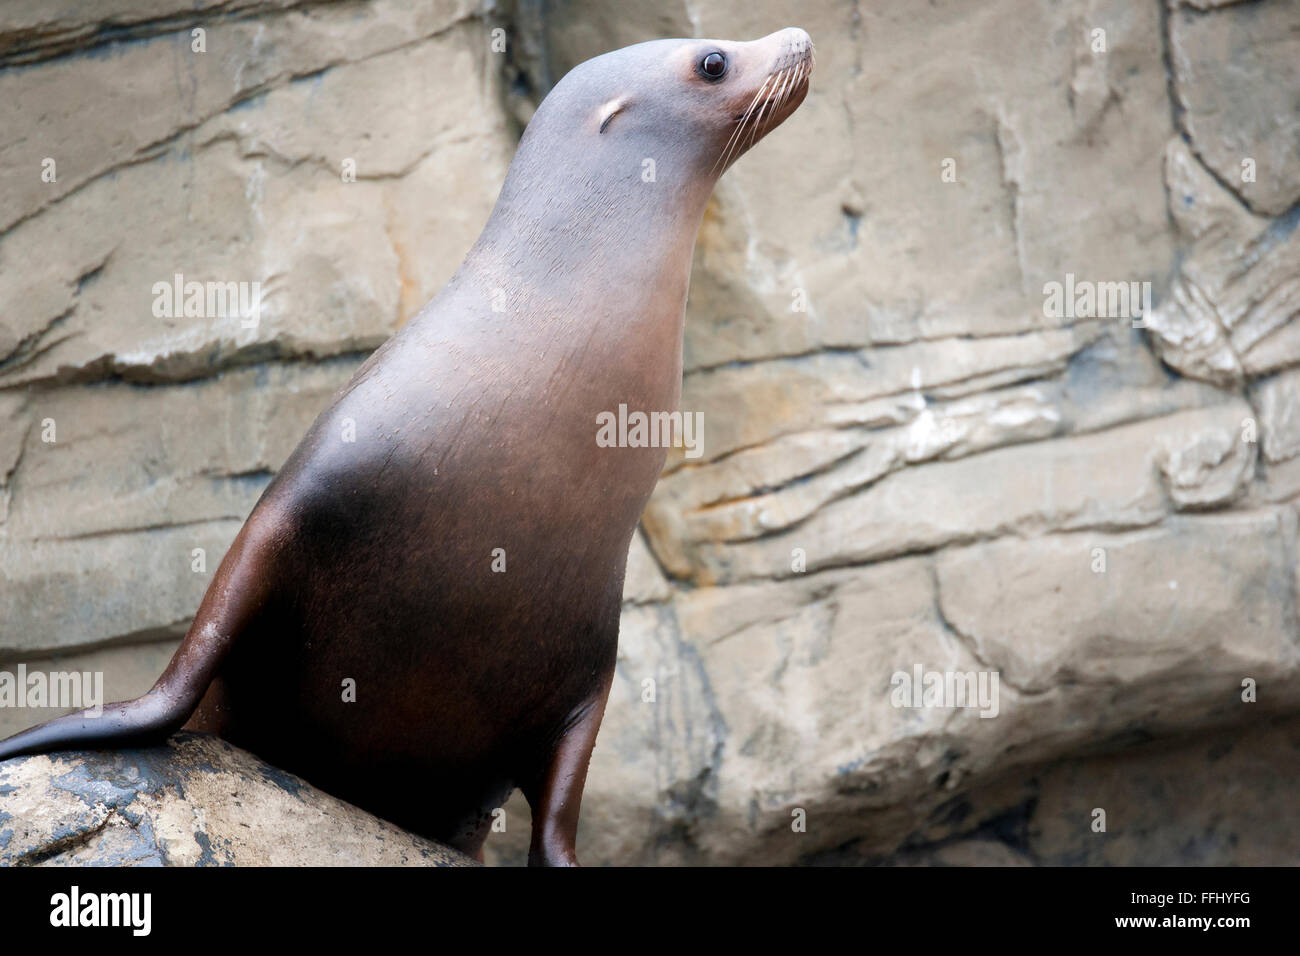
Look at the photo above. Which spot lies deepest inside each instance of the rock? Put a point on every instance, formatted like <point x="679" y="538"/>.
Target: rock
<point x="1230" y="311"/>
<point x="137" y="570"/>
<point x="1235" y="74"/>
<point x="1034" y="820"/>
<point x="1105" y="608"/>
<point x="1110" y="479"/>
<point x="775" y="696"/>
<point x="1278" y="401"/>
<point x="644" y="581"/>
<point x="196" y="801"/>
<point x="238" y="192"/>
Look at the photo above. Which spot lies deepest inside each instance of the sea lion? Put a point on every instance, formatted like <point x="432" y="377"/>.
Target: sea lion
<point x="460" y="562"/>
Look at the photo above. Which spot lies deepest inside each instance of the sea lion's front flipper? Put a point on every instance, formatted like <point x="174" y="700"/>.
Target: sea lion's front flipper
<point x="556" y="796"/>
<point x="238" y="591"/>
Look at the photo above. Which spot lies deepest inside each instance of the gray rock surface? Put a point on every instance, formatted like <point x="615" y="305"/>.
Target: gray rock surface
<point x="943" y="458"/>
<point x="197" y="801"/>
<point x="1245" y="818"/>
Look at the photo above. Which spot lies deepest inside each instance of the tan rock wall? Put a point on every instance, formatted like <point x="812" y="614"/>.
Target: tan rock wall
<point x="944" y="460"/>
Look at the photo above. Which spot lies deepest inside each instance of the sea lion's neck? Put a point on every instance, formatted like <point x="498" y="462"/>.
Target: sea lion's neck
<point x="581" y="271"/>
<point x="595" y="222"/>
<point x="585" y="240"/>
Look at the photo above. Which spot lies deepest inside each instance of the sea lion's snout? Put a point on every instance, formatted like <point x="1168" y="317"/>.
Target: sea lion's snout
<point x="790" y="74"/>
<point x="792" y="40"/>
<point x="774" y="75"/>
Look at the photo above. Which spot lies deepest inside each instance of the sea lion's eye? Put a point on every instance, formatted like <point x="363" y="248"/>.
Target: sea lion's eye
<point x="713" y="66"/>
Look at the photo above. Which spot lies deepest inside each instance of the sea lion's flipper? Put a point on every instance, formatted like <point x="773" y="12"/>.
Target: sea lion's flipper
<point x="238" y="591"/>
<point x="556" y="796"/>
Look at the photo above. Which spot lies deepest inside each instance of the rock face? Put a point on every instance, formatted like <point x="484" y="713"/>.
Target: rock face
<point x="1165" y="804"/>
<point x="195" y="802"/>
<point x="914" y="457"/>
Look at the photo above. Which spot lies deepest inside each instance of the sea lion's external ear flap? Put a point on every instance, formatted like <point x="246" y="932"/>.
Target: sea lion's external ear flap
<point x="610" y="110"/>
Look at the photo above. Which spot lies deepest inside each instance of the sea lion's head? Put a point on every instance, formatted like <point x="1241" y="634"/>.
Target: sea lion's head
<point x="723" y="96"/>
<point x="619" y="160"/>
<point x="692" y="106"/>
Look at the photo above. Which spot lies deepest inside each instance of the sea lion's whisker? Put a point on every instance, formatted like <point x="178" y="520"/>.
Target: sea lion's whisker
<point x="768" y="107"/>
<point x="804" y="77"/>
<point x="777" y="90"/>
<point x="750" y="114"/>
<point x="754" y="110"/>
<point x="801" y="77"/>
<point x="740" y="127"/>
<point x="787" y="87"/>
<point x="756" y="121"/>
<point x="796" y="77"/>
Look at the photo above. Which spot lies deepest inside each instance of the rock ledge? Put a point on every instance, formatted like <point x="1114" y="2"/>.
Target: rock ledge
<point x="195" y="801"/>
